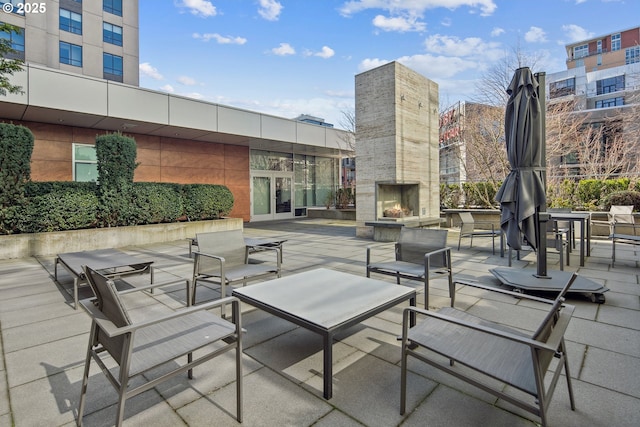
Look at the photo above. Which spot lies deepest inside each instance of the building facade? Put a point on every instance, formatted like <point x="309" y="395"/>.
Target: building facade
<point x="607" y="51"/>
<point x="92" y="38"/>
<point x="275" y="167"/>
<point x="602" y="86"/>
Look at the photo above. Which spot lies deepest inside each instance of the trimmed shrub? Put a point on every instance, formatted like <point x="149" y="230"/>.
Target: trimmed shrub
<point x="627" y="197"/>
<point x="61" y="210"/>
<point x="154" y="203"/>
<point x="16" y="146"/>
<point x="203" y="201"/>
<point x="116" y="156"/>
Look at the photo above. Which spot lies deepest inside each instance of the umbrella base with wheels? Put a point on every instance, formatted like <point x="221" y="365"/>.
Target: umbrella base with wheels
<point x="527" y="280"/>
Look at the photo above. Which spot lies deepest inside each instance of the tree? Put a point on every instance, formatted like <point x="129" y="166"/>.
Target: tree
<point x="8" y="66"/>
<point x="348" y="123"/>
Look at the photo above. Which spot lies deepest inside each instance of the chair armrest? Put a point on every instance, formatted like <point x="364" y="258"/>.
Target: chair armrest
<point x="113" y="331"/>
<point x="446" y="250"/>
<point x="271" y="248"/>
<point x="153" y="286"/>
<point x="503" y="291"/>
<point x="481" y="328"/>
<point x="198" y="254"/>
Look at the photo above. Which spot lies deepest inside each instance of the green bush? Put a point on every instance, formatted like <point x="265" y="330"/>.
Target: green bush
<point x="40" y="188"/>
<point x="626" y="198"/>
<point x="206" y="201"/>
<point x="60" y="210"/>
<point x="450" y="196"/>
<point x="16" y="146"/>
<point x="116" y="156"/>
<point x="155" y="203"/>
<point x="479" y="194"/>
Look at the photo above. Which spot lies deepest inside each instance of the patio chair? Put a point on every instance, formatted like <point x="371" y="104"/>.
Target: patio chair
<point x="486" y="351"/>
<point x="137" y="348"/>
<point x="421" y="254"/>
<point x="624" y="230"/>
<point x="468" y="229"/>
<point x="555" y="241"/>
<point x="621" y="214"/>
<point x="223" y="258"/>
<point x="565" y="227"/>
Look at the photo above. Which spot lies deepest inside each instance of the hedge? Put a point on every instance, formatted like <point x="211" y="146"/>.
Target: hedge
<point x="59" y="206"/>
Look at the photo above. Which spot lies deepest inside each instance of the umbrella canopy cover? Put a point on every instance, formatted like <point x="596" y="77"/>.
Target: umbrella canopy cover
<point x="522" y="193"/>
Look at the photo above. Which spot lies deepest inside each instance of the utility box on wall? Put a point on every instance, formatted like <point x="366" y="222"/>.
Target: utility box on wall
<point x="396" y="147"/>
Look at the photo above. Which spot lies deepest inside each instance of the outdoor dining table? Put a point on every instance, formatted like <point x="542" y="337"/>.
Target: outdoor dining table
<point x="585" y="229"/>
<point x="325" y="302"/>
<point x="110" y="262"/>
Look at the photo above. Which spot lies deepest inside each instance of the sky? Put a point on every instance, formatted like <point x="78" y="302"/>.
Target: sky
<point x="292" y="57"/>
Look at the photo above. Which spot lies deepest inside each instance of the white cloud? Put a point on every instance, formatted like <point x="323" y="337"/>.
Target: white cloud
<point x="326" y="52"/>
<point x="202" y="8"/>
<point x="434" y="67"/>
<point x="283" y="50"/>
<point x="148" y="70"/>
<point x="535" y="35"/>
<point x="398" y="23"/>
<point x="270" y="9"/>
<point x="220" y="39"/>
<point x="167" y="88"/>
<point x="469" y="47"/>
<point x="416" y="7"/>
<point x="576" y="33"/>
<point x="194" y="95"/>
<point x="497" y="31"/>
<point x="186" y="80"/>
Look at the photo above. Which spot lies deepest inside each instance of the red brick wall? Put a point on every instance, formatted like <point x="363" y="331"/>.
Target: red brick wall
<point x="161" y="160"/>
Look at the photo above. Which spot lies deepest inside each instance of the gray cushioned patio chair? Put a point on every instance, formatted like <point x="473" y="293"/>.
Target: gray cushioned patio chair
<point x="421" y="254"/>
<point x="480" y="352"/>
<point x="468" y="229"/>
<point x="139" y="347"/>
<point x="223" y="258"/>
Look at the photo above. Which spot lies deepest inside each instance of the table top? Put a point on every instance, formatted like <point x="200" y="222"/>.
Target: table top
<point x="570" y="215"/>
<point x="326" y="298"/>
<point x="99" y="259"/>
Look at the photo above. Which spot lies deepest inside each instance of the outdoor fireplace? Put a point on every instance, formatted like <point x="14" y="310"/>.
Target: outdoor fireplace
<point x="395" y="201"/>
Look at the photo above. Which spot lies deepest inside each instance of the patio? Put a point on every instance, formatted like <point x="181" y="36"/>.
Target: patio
<point x="43" y="344"/>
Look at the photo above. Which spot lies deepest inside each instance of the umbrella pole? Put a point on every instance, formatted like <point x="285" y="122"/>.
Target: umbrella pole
<point x="541" y="216"/>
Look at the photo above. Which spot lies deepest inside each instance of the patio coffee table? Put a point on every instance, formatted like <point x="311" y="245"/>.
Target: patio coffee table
<point x="325" y="302"/>
<point x="110" y="262"/>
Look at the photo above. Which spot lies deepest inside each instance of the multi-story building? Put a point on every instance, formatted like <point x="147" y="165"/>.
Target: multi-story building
<point x="81" y="79"/>
<point x="92" y="38"/>
<point x="608" y="51"/>
<point x="602" y="86"/>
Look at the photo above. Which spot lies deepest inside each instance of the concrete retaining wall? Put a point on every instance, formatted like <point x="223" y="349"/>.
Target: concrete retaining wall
<point x="25" y="245"/>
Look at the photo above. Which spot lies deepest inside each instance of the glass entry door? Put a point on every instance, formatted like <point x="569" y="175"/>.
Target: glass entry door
<point x="271" y="195"/>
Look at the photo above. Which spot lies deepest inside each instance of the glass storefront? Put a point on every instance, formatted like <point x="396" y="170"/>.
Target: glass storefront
<point x="277" y="178"/>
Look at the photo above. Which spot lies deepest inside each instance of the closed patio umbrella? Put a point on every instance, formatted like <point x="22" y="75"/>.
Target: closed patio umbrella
<point x="522" y="194"/>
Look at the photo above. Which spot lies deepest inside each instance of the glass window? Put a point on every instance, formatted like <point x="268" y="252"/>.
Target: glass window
<point x="70" y="21"/>
<point x="612" y="84"/>
<point x="632" y="55"/>
<point x="611" y="102"/>
<point x="112" y="65"/>
<point x="580" y="51"/>
<point x="85" y="163"/>
<point x="271" y="161"/>
<point x="112" y="6"/>
<point x="70" y="54"/>
<point x="15" y="39"/>
<point x="17" y="10"/>
<point x="615" y="42"/>
<point x="112" y="34"/>
<point x="562" y="88"/>
<point x="599" y="46"/>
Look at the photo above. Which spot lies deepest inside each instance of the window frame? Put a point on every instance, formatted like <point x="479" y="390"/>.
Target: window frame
<point x="113" y="7"/>
<point x="108" y="34"/>
<point x="112" y="73"/>
<point x="616" y="42"/>
<point x="618" y="101"/>
<point x="71" y="28"/>
<point x="610" y="85"/>
<point x="76" y="161"/>
<point x="632" y="55"/>
<point x="580" y="51"/>
<point x="73" y="62"/>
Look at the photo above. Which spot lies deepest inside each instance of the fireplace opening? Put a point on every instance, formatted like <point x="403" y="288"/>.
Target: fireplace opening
<point x="396" y="201"/>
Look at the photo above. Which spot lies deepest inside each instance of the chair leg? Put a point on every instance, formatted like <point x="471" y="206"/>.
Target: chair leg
<point x="85" y="377"/>
<point x="568" y="375"/>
